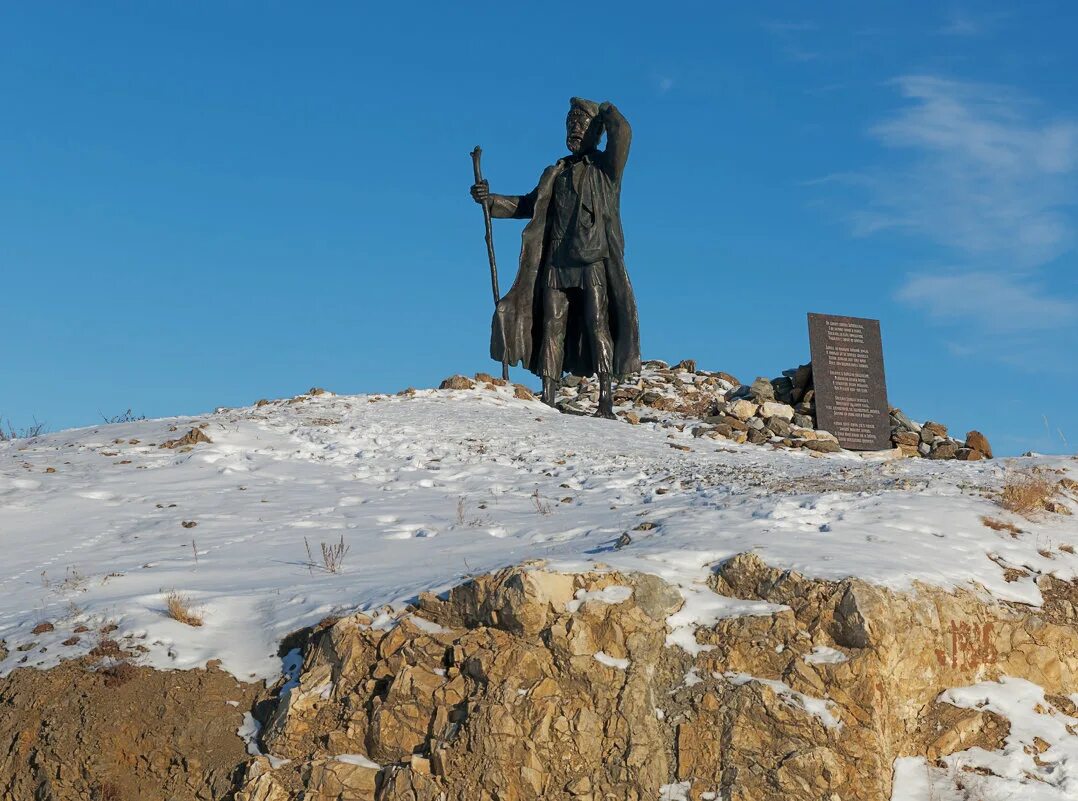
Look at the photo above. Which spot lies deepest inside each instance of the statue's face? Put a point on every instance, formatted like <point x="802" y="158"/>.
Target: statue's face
<point x="582" y="132"/>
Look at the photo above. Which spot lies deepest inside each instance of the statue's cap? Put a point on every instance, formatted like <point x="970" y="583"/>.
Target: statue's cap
<point x="589" y="107"/>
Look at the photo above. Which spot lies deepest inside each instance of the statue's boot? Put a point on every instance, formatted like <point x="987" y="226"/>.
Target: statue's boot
<point x="550" y="392"/>
<point x="606" y="398"/>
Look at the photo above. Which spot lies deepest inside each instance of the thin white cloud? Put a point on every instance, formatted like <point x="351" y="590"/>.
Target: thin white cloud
<point x="963" y="23"/>
<point x="789" y="34"/>
<point x="985" y="177"/>
<point x="1002" y="303"/>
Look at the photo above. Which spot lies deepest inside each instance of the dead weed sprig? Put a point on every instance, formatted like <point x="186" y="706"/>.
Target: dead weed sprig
<point x="332" y="555"/>
<point x="179" y="608"/>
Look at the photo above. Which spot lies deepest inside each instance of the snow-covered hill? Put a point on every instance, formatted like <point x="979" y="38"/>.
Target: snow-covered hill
<point x="99" y="525"/>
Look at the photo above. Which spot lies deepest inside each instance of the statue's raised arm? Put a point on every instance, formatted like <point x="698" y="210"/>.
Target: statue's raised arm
<point x="619" y="135"/>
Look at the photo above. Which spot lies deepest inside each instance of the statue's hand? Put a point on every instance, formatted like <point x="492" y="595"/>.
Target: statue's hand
<point x="481" y="192"/>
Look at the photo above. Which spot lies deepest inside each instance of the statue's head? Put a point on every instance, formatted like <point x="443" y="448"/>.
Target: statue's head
<point x="583" y="127"/>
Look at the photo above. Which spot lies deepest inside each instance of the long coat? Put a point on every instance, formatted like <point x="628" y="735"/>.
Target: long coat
<point x="517" y="327"/>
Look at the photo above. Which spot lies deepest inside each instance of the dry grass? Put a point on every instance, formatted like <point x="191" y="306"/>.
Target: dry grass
<point x="179" y="608"/>
<point x="1026" y="493"/>
<point x="1001" y="525"/>
<point x="28" y="432"/>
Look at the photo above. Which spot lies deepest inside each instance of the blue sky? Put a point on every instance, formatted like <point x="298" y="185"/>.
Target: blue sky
<point x="203" y="204"/>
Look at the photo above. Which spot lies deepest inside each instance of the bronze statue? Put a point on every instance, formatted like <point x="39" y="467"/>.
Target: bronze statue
<point x="571" y="308"/>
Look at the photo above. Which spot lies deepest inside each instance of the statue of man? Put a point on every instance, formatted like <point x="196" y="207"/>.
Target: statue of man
<point x="571" y="308"/>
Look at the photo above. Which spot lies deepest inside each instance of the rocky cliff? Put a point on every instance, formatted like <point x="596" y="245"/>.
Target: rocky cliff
<point x="528" y="684"/>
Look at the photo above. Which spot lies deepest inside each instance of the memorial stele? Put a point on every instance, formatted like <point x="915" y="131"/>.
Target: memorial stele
<point x="848" y="377"/>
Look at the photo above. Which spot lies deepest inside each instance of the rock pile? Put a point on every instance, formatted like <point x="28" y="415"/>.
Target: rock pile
<point x="529" y="684"/>
<point x="780" y="411"/>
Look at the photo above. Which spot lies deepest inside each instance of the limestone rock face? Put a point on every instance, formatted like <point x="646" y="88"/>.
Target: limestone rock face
<point x="529" y="684"/>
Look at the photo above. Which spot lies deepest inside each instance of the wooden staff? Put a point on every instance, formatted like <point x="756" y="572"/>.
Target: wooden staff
<point x="476" y="155"/>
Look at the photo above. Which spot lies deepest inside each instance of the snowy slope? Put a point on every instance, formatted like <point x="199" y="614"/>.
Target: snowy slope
<point x="431" y="488"/>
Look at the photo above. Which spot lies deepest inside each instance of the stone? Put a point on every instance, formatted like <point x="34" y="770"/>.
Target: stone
<point x="758" y="437"/>
<point x="723" y="429"/>
<point x="771" y="409"/>
<point x="935" y="431"/>
<point x="743" y="409"/>
<point x="457" y="382"/>
<point x="803" y="420"/>
<point x="943" y="449"/>
<point x="783" y="389"/>
<point x="779" y="426"/>
<point x="801" y="376"/>
<point x="908" y="438"/>
<point x="191" y="438"/>
<point x="979" y="442"/>
<point x="761" y="390"/>
<point x="1056" y="507"/>
<point x="335" y="780"/>
<point x="968" y="454"/>
<point x="822" y="446"/>
<point x="900" y="419"/>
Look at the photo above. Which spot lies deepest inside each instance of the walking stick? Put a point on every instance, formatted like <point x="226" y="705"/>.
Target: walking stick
<point x="476" y="155"/>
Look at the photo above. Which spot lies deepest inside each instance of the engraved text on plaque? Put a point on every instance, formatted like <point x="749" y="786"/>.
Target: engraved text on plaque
<point x="847" y="373"/>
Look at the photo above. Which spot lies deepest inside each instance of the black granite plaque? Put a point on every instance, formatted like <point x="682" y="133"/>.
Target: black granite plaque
<point x="847" y="373"/>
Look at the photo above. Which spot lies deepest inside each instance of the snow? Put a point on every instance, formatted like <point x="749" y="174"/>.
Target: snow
<point x="1019" y="770"/>
<point x="825" y="655"/>
<point x="248" y="732"/>
<point x="611" y="661"/>
<point x="358" y="759"/>
<point x="426" y="490"/>
<point x="678" y="791"/>
<point x="817" y="707"/>
<point x="614" y="594"/>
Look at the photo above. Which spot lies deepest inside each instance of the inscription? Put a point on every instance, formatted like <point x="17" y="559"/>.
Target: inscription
<point x="967" y="646"/>
<point x="847" y="370"/>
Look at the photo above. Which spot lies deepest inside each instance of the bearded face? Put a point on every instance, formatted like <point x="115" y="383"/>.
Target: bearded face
<point x="582" y="131"/>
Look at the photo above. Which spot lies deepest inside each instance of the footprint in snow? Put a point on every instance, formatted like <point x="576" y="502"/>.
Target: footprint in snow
<point x="411" y="532"/>
<point x="97" y="495"/>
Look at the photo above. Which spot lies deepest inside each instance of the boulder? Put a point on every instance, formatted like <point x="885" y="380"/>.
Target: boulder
<point x="761" y="390"/>
<point x="930" y="432"/>
<point x="771" y="409"/>
<point x="743" y="409"/>
<point x="457" y="382"/>
<point x="979" y="442"/>
<point x="943" y="449"/>
<point x="822" y="446"/>
<point x="908" y="438"/>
